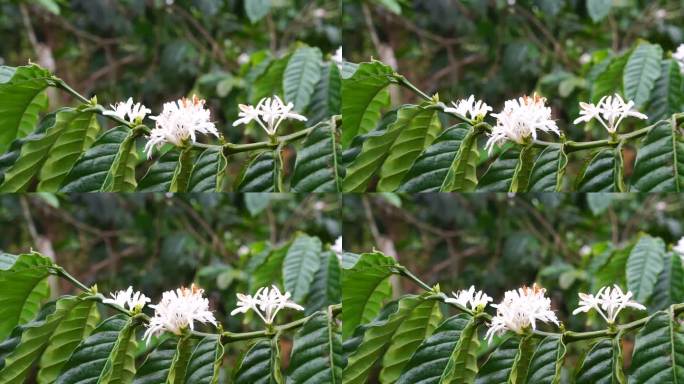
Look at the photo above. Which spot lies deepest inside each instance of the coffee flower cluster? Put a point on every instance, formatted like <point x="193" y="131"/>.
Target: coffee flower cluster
<point x="269" y="113"/>
<point x="266" y="303"/>
<point x="522" y="309"/>
<point x="610" y="112"/>
<point x="522" y="119"/>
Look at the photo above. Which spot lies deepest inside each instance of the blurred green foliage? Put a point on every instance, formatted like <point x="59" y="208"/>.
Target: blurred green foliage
<point x="156" y="242"/>
<point x="567" y="242"/>
<point x="500" y="49"/>
<point x="159" y="50"/>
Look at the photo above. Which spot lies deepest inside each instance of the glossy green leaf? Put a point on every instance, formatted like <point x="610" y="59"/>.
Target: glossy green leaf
<point x="270" y="271"/>
<point x="67" y="149"/>
<point x="364" y="94"/>
<point x="603" y="172"/>
<point x="326" y="288"/>
<point x="25" y="286"/>
<point x="659" y="351"/>
<point x="107" y="356"/>
<point x="547" y="361"/>
<point x="257" y="9"/>
<point x="49" y="148"/>
<point x="599" y="9"/>
<point x="270" y="82"/>
<point x="159" y="175"/>
<point x="449" y="355"/>
<point x="301" y="263"/>
<point x="602" y="364"/>
<point x="10" y="157"/>
<point x="260" y="365"/>
<point x="376" y="149"/>
<point x="641" y="72"/>
<point x="35" y="339"/>
<point x="78" y="325"/>
<point x="668" y="93"/>
<point x="318" y="168"/>
<point x="317" y="352"/>
<point x="301" y="75"/>
<point x="408" y="337"/>
<point x="10" y="343"/>
<point x="499" y="175"/>
<point x="326" y="99"/>
<point x="22" y="92"/>
<point x="208" y="172"/>
<point x="549" y="169"/>
<point x="610" y="81"/>
<point x="205" y="362"/>
<point x="263" y="173"/>
<point x="670" y="286"/>
<point x="378" y="337"/>
<point x="659" y="164"/>
<point x="114" y="151"/>
<point x="507" y="364"/>
<point x="155" y="368"/>
<point x="412" y="139"/>
<point x="645" y="263"/>
<point x="366" y="287"/>
<point x="445" y="165"/>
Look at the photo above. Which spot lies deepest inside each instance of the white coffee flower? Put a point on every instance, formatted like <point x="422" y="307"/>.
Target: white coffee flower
<point x="266" y="303"/>
<point x="679" y="248"/>
<point x="179" y="122"/>
<point x="134" y="112"/>
<point x="607" y="302"/>
<point x="268" y="113"/>
<point x="475" y="301"/>
<point x="470" y="108"/>
<point x="610" y="111"/>
<point x="679" y="56"/>
<point x="337" y="57"/>
<point x="337" y="247"/>
<point x="178" y="310"/>
<point x="520" y="120"/>
<point x="520" y="310"/>
<point x="128" y="299"/>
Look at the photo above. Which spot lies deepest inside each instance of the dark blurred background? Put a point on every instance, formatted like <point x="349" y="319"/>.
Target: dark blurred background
<point x="160" y="50"/>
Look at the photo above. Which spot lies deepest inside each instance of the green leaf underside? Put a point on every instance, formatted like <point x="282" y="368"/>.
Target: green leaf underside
<point x="659" y="351"/>
<point x="22" y="92"/>
<point x="260" y="365"/>
<point x="97" y="165"/>
<point x="301" y="75"/>
<point x="547" y="361"/>
<point x="641" y="72"/>
<point x="644" y="265"/>
<point x="449" y="355"/>
<point x="407" y="338"/>
<point x="325" y="289"/>
<point x="270" y="82"/>
<point x="301" y="263"/>
<point x="262" y="173"/>
<point x="376" y="149"/>
<point x="364" y="94"/>
<point x="603" y="172"/>
<point x="326" y="99"/>
<point x="366" y="287"/>
<point x="317" y="352"/>
<point x="499" y="175"/>
<point x="35" y="339"/>
<point x="443" y="166"/>
<point x="609" y="81"/>
<point x="8" y="345"/>
<point x="318" y="167"/>
<point x="668" y="93"/>
<point x="257" y="9"/>
<point x="602" y="364"/>
<point x="205" y="363"/>
<point x="659" y="164"/>
<point x="48" y="149"/>
<point x="670" y="286"/>
<point x="598" y="9"/>
<point x="549" y="169"/>
<point x="106" y="356"/>
<point x="24" y="286"/>
<point x="418" y="134"/>
<point x="208" y="172"/>
<point x="378" y="337"/>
